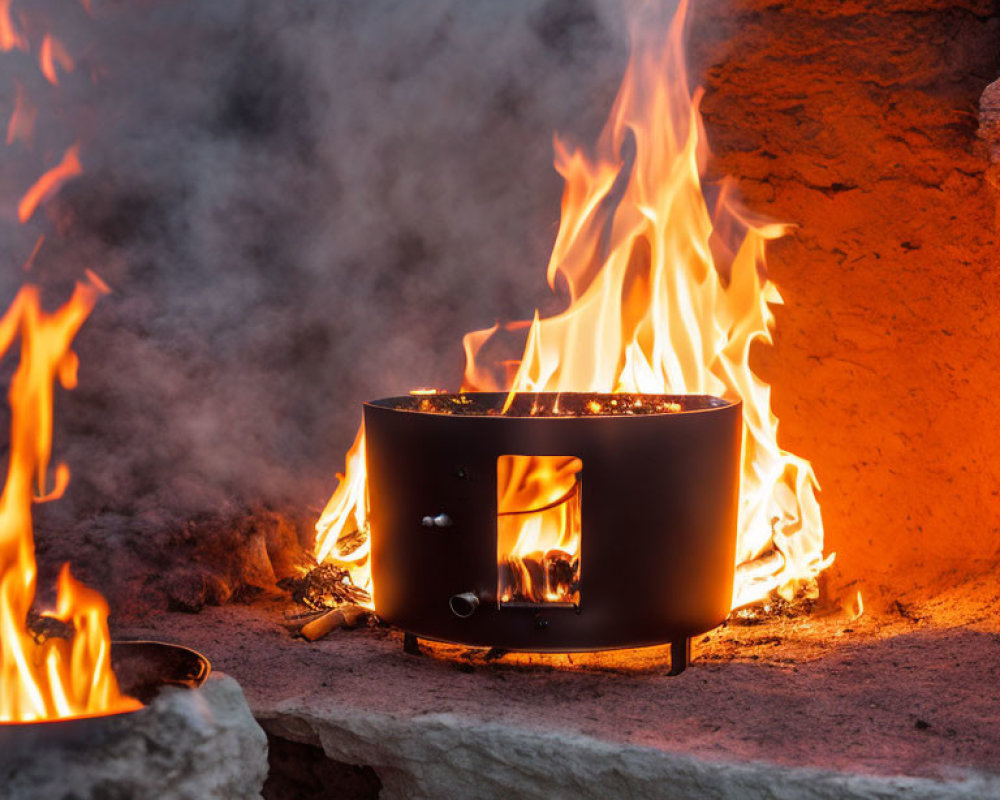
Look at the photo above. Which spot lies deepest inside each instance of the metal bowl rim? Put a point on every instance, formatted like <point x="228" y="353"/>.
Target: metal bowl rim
<point x="12" y="725"/>
<point x="722" y="403"/>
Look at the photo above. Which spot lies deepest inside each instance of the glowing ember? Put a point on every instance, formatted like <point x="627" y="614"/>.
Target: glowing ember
<point x="54" y="52"/>
<point x="10" y="38"/>
<point x="667" y="296"/>
<point x="53" y="677"/>
<point x="21" y="126"/>
<point x="50" y="183"/>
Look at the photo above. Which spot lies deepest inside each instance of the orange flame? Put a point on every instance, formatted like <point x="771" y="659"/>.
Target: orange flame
<point x="50" y="183"/>
<point x="56" y="677"/>
<point x="54" y="52"/>
<point x="34" y="253"/>
<point x="538" y="528"/>
<point x="22" y="121"/>
<point x="667" y="295"/>
<point x="10" y="37"/>
<point x="346" y="512"/>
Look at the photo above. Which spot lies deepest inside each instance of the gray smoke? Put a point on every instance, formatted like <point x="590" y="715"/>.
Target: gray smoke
<point x="299" y="206"/>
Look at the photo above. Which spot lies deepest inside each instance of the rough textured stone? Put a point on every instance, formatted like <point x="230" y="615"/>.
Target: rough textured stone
<point x="903" y="703"/>
<point x="856" y="122"/>
<point x="188" y="744"/>
<point x="439" y="756"/>
<point x="989" y="128"/>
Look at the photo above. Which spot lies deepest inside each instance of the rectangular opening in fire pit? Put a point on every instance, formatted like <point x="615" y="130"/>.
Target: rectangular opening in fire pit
<point x="538" y="529"/>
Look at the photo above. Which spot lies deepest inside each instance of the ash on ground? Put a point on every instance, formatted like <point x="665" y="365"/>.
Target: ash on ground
<point x="774" y="607"/>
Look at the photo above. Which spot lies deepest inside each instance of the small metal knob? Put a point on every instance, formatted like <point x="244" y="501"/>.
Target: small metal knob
<point x="463" y="605"/>
<point x="440" y="521"/>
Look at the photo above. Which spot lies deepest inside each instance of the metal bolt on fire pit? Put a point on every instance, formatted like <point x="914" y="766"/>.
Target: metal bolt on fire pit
<point x="438" y="521"/>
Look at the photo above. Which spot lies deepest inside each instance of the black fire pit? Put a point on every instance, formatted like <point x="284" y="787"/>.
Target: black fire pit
<point x="653" y="485"/>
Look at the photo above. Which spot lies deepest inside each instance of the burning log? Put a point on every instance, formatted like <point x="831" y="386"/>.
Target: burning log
<point x="540" y="577"/>
<point x="348" y="616"/>
<point x="43" y="627"/>
<point x="561" y="570"/>
<point x="351" y="540"/>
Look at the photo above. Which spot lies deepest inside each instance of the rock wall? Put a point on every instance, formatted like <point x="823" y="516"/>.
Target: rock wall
<point x="857" y="123"/>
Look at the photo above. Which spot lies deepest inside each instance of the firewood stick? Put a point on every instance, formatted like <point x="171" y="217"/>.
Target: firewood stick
<point x="294" y="622"/>
<point x="342" y="617"/>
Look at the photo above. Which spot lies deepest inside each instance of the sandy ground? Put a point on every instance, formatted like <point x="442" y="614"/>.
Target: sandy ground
<point x="912" y="691"/>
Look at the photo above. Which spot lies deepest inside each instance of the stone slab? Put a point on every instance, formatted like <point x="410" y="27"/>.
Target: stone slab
<point x="437" y="756"/>
<point x="188" y="744"/>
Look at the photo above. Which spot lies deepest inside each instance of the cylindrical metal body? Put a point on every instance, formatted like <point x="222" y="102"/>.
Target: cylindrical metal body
<point x="658" y="517"/>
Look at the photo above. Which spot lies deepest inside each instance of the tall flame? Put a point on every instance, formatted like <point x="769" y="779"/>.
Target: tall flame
<point x="346" y="513"/>
<point x="667" y="294"/>
<point x="54" y="677"/>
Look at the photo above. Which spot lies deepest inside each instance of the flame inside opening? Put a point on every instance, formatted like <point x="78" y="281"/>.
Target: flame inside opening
<point x="667" y="294"/>
<point x="53" y="677"/>
<point x="538" y="529"/>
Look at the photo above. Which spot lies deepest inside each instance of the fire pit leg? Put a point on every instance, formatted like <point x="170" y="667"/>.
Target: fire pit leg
<point x="411" y="644"/>
<point x="680" y="656"/>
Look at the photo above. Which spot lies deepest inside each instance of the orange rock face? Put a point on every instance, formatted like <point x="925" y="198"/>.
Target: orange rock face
<point x="857" y="122"/>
